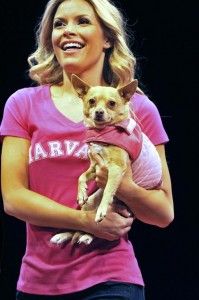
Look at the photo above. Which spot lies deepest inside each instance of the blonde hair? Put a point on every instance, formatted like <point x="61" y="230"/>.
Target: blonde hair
<point x="119" y="64"/>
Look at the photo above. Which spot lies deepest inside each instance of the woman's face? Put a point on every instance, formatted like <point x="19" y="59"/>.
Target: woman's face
<point x="78" y="39"/>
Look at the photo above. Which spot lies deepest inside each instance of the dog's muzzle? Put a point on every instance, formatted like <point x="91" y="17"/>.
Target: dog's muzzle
<point x="99" y="115"/>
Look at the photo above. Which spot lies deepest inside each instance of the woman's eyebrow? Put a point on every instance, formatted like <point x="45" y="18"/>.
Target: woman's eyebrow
<point x="77" y="16"/>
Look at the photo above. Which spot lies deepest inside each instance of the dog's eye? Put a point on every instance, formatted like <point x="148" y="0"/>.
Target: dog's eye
<point x="112" y="103"/>
<point x="91" y="101"/>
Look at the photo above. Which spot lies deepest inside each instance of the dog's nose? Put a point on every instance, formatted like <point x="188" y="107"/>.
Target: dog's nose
<point x="99" y="113"/>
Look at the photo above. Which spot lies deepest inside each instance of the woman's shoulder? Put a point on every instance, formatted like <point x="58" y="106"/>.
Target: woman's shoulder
<point x="141" y="102"/>
<point x="27" y="96"/>
<point x="29" y="92"/>
<point x="148" y="117"/>
<point x="143" y="107"/>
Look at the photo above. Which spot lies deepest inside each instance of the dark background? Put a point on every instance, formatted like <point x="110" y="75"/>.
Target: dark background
<point x="165" y="44"/>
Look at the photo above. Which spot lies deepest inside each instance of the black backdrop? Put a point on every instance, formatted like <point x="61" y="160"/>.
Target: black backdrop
<point x="165" y="39"/>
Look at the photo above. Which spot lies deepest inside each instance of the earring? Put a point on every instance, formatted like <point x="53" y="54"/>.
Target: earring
<point x="107" y="44"/>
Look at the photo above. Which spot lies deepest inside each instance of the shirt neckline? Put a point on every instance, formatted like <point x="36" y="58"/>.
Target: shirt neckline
<point x="57" y="112"/>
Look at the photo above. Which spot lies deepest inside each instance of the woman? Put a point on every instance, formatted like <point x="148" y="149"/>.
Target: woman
<point x="44" y="154"/>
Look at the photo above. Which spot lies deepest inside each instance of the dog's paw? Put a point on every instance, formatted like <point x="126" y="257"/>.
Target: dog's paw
<point x="61" y="238"/>
<point x="81" y="238"/>
<point x="82" y="197"/>
<point x="85" y="239"/>
<point x="101" y="214"/>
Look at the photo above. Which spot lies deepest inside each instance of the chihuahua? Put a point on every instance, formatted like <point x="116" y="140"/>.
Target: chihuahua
<point x="113" y="133"/>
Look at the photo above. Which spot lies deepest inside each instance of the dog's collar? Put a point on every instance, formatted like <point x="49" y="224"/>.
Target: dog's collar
<point x="128" y="125"/>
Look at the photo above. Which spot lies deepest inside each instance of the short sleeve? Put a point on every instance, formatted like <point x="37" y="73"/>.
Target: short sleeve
<point x="15" y="116"/>
<point x="148" y="117"/>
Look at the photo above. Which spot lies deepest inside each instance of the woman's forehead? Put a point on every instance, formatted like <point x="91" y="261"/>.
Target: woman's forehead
<point x="71" y="7"/>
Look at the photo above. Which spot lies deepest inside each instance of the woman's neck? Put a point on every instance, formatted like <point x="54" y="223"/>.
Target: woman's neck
<point x="88" y="77"/>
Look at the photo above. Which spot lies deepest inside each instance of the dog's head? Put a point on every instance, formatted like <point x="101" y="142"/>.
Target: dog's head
<point x="104" y="105"/>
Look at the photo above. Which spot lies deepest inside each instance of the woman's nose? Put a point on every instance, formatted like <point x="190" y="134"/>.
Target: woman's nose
<point x="70" y="28"/>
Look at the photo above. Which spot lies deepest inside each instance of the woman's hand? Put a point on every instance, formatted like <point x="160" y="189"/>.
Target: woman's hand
<point x="116" y="224"/>
<point x="102" y="171"/>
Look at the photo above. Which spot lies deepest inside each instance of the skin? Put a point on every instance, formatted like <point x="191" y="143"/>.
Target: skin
<point x="153" y="207"/>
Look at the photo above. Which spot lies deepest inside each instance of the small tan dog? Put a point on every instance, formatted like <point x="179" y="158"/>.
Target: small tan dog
<point x="103" y="107"/>
<point x="116" y="137"/>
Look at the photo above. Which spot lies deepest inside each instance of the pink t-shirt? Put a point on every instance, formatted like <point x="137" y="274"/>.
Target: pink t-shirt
<point x="58" y="155"/>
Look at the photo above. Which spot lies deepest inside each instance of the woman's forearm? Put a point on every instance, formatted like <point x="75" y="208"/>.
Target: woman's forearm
<point x="25" y="204"/>
<point x="149" y="206"/>
<point x="42" y="211"/>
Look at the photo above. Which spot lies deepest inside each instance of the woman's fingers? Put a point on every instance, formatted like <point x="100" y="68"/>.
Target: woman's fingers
<point x="101" y="169"/>
<point x="99" y="160"/>
<point x="121" y="208"/>
<point x="112" y="227"/>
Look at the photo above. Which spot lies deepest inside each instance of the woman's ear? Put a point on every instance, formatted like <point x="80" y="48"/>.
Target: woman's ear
<point x="107" y="44"/>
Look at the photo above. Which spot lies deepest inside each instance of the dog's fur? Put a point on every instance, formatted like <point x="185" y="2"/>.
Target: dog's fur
<point x="102" y="106"/>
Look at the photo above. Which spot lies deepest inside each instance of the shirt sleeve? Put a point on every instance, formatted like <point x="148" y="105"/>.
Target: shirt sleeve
<point x="15" y="117"/>
<point x="148" y="117"/>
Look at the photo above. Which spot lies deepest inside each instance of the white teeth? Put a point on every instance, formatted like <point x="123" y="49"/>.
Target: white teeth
<point x="71" y="45"/>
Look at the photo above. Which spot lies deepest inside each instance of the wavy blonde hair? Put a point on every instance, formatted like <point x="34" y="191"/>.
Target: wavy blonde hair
<point x="119" y="64"/>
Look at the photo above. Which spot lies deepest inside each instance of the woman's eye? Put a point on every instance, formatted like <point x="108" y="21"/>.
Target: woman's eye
<point x="84" y="20"/>
<point x="58" y="23"/>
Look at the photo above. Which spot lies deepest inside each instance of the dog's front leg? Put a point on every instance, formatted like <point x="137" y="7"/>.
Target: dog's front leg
<point x="82" y="195"/>
<point x="115" y="174"/>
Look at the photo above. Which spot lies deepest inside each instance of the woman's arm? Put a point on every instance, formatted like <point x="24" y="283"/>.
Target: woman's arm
<point x="39" y="210"/>
<point x="150" y="206"/>
<point x="154" y="207"/>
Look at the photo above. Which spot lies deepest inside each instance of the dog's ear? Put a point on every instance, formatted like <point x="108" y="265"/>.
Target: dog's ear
<point x="79" y="85"/>
<point x="128" y="90"/>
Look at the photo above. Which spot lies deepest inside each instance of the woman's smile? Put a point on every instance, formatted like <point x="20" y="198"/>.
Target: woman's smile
<point x="69" y="46"/>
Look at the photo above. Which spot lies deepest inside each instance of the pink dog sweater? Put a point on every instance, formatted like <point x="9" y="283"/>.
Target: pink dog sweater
<point x="146" y="164"/>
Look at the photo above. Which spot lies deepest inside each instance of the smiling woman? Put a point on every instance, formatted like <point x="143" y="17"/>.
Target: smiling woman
<point x="119" y="60"/>
<point x="44" y="153"/>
